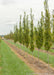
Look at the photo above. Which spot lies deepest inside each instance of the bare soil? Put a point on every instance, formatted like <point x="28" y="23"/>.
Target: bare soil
<point x="51" y="53"/>
<point x="39" y="67"/>
<point x="53" y="48"/>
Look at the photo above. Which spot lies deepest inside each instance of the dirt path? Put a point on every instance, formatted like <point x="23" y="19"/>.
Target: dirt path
<point x="44" y="51"/>
<point x="38" y="67"/>
<point x="51" y="53"/>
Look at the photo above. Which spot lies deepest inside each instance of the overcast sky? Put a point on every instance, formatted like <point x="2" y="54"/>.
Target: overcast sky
<point x="11" y="9"/>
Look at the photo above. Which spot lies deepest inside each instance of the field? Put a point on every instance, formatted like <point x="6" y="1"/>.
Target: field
<point x="16" y="59"/>
<point x="40" y="65"/>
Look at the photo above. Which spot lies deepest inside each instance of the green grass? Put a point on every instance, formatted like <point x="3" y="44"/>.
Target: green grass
<point x="51" y="50"/>
<point x="11" y="64"/>
<point x="53" y="45"/>
<point x="42" y="56"/>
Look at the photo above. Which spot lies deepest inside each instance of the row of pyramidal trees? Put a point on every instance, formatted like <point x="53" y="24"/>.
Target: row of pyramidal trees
<point x="31" y="36"/>
<point x="25" y="33"/>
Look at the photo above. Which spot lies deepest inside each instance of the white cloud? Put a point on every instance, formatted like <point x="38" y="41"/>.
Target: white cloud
<point x="11" y="9"/>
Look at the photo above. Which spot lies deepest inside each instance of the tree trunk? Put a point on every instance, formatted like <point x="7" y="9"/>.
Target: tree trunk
<point x="32" y="55"/>
<point x="48" y="61"/>
<point x="38" y="56"/>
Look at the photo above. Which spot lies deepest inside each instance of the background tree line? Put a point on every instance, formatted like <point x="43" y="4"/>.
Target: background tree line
<point x="31" y="36"/>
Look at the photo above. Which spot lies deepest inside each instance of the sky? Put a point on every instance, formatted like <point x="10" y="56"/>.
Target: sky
<point x="11" y="9"/>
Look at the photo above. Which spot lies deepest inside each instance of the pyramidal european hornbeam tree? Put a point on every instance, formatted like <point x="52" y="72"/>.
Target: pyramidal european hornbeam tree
<point x="47" y="33"/>
<point x="27" y="32"/>
<point x="53" y="26"/>
<point x="47" y="27"/>
<point x="42" y="20"/>
<point x="20" y="31"/>
<point x="16" y="36"/>
<point x="31" y="33"/>
<point x="24" y="28"/>
<point x="39" y="32"/>
<point x="22" y="36"/>
<point x="39" y="36"/>
<point x="42" y="29"/>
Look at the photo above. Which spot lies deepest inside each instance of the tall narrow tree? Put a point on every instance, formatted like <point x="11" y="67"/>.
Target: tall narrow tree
<point x="31" y="33"/>
<point x="24" y="28"/>
<point x="39" y="37"/>
<point x="42" y="29"/>
<point x="42" y="20"/>
<point x="53" y="26"/>
<point x="47" y="29"/>
<point x="27" y="32"/>
<point x="20" y="31"/>
<point x="16" y="36"/>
